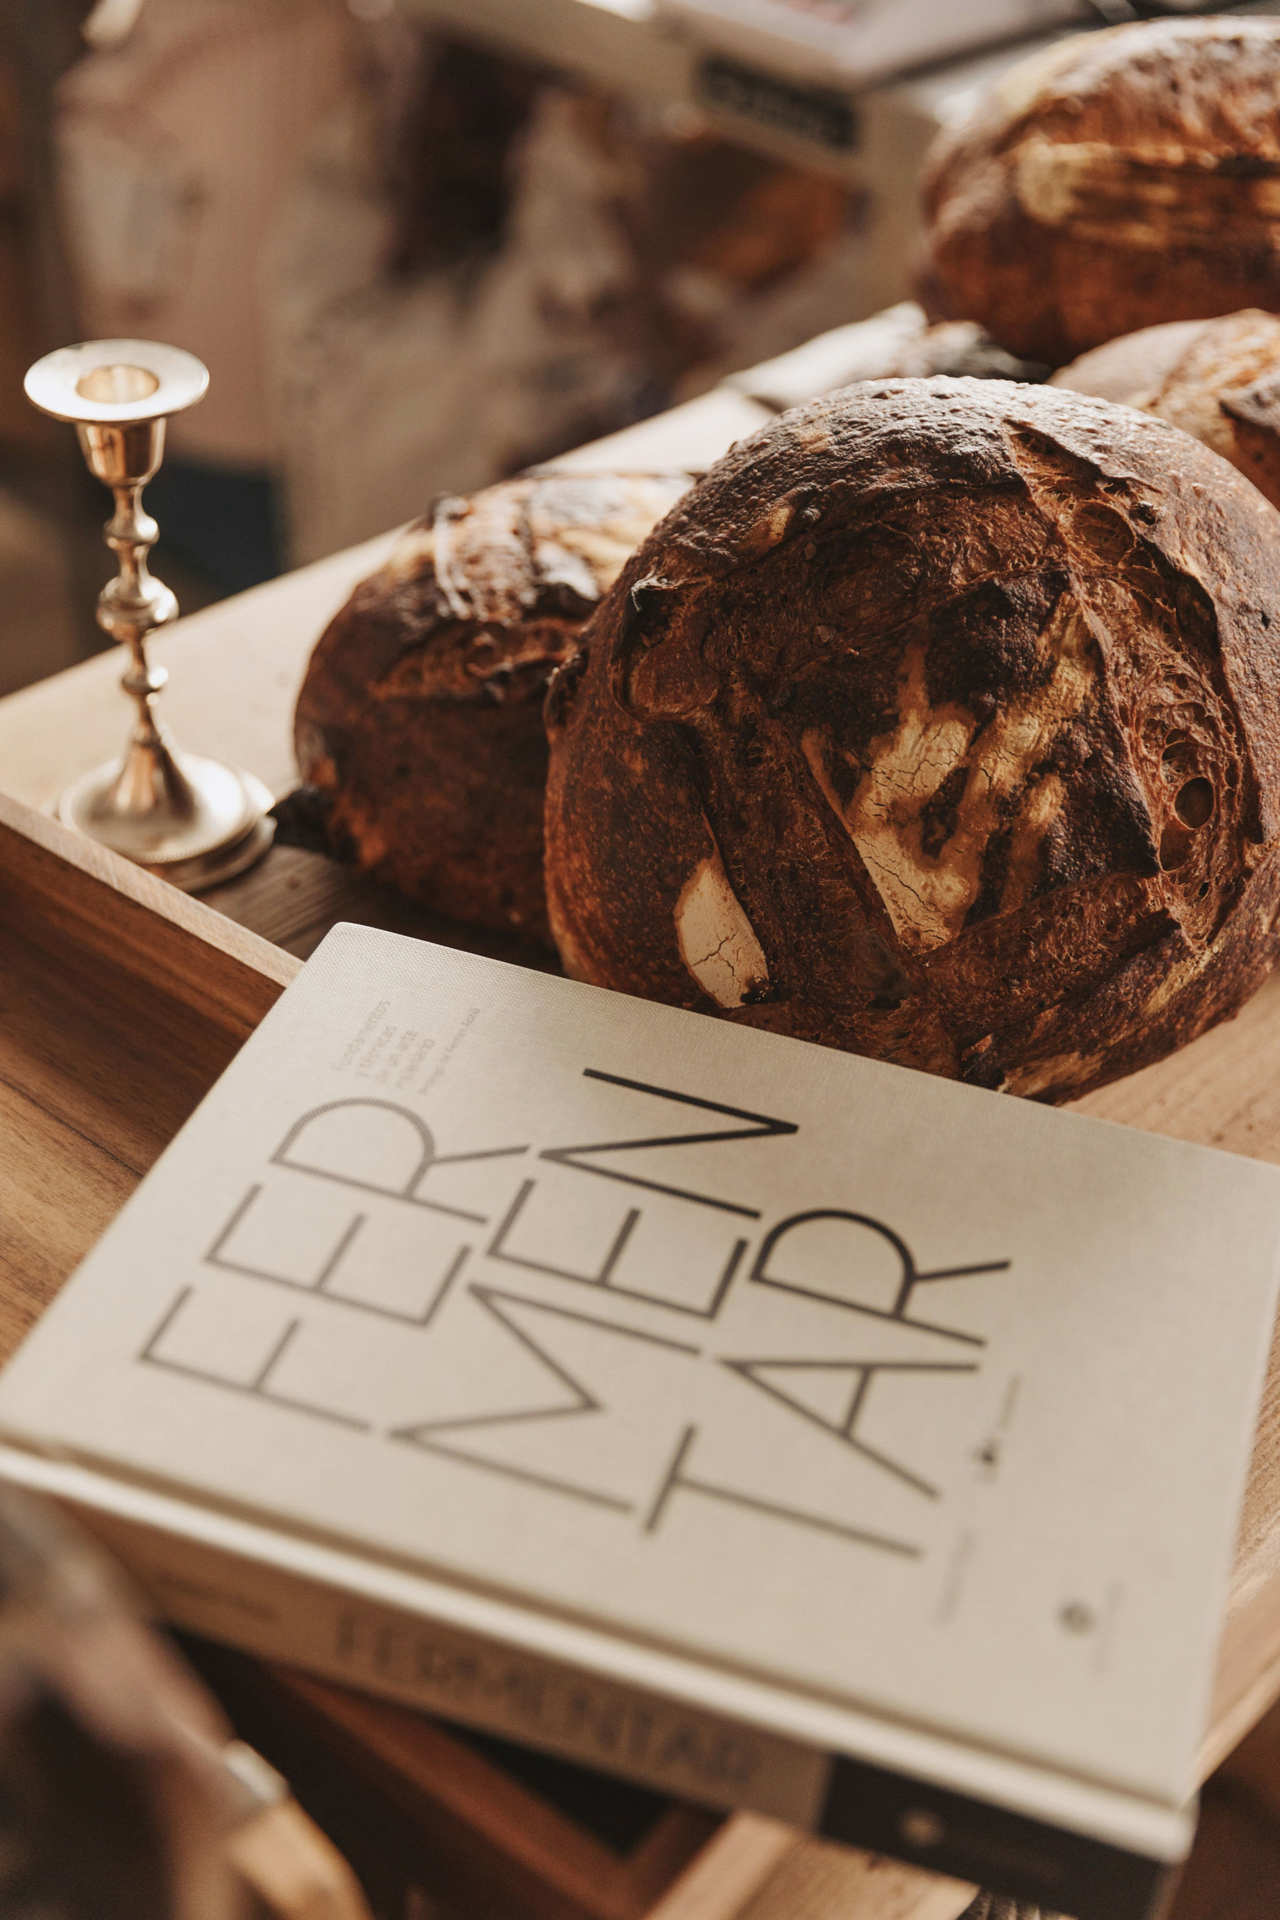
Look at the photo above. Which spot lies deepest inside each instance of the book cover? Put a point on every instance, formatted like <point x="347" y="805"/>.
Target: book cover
<point x="862" y="42"/>
<point x="776" y="1427"/>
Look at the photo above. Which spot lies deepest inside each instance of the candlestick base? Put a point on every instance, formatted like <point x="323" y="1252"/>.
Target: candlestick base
<point x="192" y="821"/>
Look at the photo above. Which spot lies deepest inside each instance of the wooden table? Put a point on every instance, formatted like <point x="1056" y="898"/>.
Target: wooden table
<point x="236" y="670"/>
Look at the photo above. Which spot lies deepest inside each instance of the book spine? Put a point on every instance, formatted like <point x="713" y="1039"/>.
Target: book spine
<point x="685" y="1751"/>
<point x="661" y="1743"/>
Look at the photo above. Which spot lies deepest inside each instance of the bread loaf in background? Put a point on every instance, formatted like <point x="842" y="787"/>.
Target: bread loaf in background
<point x="1124" y="179"/>
<point x="419" y="722"/>
<point x="1216" y="379"/>
<point x="939" y="722"/>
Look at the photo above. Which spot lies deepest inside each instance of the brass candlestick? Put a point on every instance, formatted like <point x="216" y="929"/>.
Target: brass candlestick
<point x="189" y="819"/>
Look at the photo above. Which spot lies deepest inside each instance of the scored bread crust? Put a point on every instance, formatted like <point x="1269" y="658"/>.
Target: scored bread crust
<point x="1218" y="380"/>
<point x="939" y="722"/>
<point x="419" y="721"/>
<point x="1127" y="178"/>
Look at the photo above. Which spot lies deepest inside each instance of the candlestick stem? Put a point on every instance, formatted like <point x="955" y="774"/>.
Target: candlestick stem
<point x="191" y="819"/>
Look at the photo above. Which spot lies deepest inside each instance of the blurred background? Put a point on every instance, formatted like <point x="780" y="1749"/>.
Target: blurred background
<point x="423" y="244"/>
<point x="413" y="261"/>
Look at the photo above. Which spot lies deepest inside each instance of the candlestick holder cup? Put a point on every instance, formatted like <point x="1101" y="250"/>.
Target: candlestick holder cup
<point x="190" y="819"/>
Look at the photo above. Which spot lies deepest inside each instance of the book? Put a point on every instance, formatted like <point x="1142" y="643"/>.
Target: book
<point x="776" y="1428"/>
<point x="863" y="42"/>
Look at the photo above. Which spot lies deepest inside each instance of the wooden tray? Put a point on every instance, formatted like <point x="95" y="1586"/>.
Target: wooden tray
<point x="120" y="1002"/>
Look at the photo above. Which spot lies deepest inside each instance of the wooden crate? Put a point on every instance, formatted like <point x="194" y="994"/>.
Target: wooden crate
<point x="121" y="1000"/>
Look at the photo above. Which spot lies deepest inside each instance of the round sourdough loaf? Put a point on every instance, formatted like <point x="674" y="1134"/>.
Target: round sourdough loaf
<point x="419" y="722"/>
<point x="1124" y="179"/>
<point x="939" y="722"/>
<point x="1216" y="379"/>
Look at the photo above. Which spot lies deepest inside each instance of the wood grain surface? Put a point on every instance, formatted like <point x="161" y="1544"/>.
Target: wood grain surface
<point x="120" y="1002"/>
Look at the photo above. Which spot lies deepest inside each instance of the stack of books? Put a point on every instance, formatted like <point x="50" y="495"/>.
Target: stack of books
<point x="777" y="1428"/>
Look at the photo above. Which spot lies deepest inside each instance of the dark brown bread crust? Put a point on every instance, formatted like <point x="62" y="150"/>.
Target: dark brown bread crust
<point x="1131" y="177"/>
<point x="420" y="717"/>
<point x="939" y="722"/>
<point x="1216" y="379"/>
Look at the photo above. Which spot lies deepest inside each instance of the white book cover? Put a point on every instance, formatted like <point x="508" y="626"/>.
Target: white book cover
<point x="878" y="1441"/>
<point x="858" y="42"/>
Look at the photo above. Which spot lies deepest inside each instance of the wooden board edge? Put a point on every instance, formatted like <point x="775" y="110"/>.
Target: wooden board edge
<point x="425" y="1758"/>
<point x="732" y="1867"/>
<point x="815" y="1880"/>
<point x="112" y="908"/>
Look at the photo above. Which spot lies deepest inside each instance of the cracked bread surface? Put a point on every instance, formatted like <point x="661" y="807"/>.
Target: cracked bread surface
<point x="940" y="722"/>
<point x="1124" y="179"/>
<point x="1218" y="380"/>
<point x="419" y="721"/>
